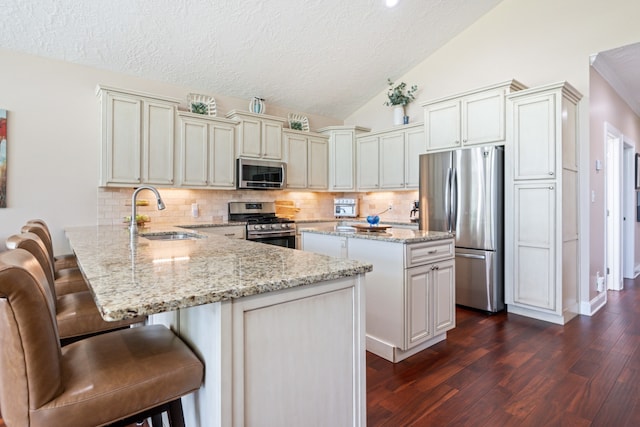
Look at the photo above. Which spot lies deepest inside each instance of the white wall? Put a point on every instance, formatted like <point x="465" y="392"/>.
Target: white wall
<point x="535" y="42"/>
<point x="53" y="138"/>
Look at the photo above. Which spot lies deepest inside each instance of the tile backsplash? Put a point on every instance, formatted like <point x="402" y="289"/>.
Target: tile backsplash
<point x="115" y="203"/>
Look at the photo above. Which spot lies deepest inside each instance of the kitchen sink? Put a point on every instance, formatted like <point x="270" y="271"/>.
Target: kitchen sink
<point x="345" y="229"/>
<point x="172" y="235"/>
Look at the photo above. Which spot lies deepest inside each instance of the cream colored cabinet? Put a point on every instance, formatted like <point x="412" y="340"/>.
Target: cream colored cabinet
<point x="472" y="118"/>
<point x="342" y="156"/>
<point x="259" y="135"/>
<point x="230" y="231"/>
<point x="410" y="292"/>
<point x="389" y="160"/>
<point x="138" y="138"/>
<point x="307" y="160"/>
<point x="206" y="151"/>
<point x="541" y="203"/>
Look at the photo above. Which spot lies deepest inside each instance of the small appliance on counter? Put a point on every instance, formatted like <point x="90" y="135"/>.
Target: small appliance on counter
<point x="345" y="208"/>
<point x="414" y="215"/>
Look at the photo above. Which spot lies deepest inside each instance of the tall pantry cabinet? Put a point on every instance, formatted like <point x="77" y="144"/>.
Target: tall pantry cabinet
<point x="541" y="203"/>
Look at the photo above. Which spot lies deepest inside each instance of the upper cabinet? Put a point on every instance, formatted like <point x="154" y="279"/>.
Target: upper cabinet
<point x="138" y="138"/>
<point x="342" y="156"/>
<point x="207" y="151"/>
<point x="259" y="135"/>
<point x="307" y="160"/>
<point x="471" y="118"/>
<point x="389" y="160"/>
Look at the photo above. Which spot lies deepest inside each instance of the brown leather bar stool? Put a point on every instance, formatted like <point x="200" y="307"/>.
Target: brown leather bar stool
<point x="76" y="313"/>
<point x="68" y="280"/>
<point x="120" y="377"/>
<point x="61" y="261"/>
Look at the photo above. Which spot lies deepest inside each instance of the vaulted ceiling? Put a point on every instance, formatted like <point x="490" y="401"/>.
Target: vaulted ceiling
<point x="620" y="67"/>
<point x="326" y="57"/>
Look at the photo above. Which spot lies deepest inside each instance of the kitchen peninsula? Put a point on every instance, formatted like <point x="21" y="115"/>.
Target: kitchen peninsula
<point x="411" y="291"/>
<point x="281" y="332"/>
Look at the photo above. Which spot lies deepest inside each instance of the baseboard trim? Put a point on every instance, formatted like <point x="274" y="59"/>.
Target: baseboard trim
<point x="589" y="308"/>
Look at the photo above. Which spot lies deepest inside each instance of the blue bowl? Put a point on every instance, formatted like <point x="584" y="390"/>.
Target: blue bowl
<point x="373" y="220"/>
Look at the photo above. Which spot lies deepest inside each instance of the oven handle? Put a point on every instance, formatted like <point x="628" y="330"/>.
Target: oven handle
<point x="269" y="234"/>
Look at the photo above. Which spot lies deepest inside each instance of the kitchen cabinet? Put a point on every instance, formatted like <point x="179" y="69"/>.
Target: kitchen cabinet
<point x="138" y="138"/>
<point x="541" y="203"/>
<point x="206" y="151"/>
<point x="259" y="135"/>
<point x="230" y="231"/>
<point x="389" y="160"/>
<point x="410" y="303"/>
<point x="471" y="118"/>
<point x="307" y="160"/>
<point x="342" y="156"/>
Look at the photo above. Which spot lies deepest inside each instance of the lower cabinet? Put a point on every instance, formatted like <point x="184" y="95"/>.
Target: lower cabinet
<point x="410" y="294"/>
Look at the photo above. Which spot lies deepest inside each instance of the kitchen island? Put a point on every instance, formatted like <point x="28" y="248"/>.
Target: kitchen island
<point x="411" y="291"/>
<point x="281" y="332"/>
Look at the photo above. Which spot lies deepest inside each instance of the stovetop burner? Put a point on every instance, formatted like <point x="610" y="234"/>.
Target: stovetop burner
<point x="269" y="220"/>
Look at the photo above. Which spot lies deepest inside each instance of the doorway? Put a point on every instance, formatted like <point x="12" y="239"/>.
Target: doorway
<point x="619" y="208"/>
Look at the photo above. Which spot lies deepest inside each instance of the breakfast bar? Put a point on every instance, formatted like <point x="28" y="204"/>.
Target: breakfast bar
<point x="281" y="331"/>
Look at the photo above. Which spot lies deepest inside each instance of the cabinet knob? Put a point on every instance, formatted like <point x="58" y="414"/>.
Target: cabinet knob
<point x="550" y="173"/>
<point x="464" y="140"/>
<point x="456" y="142"/>
<point x="551" y="187"/>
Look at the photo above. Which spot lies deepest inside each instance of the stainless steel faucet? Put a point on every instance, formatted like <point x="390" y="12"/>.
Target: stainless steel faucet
<point x="133" y="225"/>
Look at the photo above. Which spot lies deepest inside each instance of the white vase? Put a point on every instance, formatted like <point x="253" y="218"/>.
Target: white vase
<point x="398" y="115"/>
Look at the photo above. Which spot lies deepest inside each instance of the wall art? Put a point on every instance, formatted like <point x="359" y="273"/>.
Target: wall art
<point x="3" y="158"/>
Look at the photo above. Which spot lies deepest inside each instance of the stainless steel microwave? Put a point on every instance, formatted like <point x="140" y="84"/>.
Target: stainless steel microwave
<point x="260" y="174"/>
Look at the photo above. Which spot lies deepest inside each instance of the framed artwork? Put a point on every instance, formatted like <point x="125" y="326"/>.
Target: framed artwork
<point x="3" y="158"/>
<point x="637" y="171"/>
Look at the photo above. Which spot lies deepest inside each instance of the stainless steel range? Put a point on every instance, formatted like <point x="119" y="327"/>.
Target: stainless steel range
<point x="262" y="223"/>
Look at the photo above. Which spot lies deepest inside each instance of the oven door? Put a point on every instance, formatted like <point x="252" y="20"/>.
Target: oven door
<point x="284" y="241"/>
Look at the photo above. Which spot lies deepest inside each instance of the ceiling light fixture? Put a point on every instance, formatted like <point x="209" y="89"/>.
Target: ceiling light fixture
<point x="391" y="3"/>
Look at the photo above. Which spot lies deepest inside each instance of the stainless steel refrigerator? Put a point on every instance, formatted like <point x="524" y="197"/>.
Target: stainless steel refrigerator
<point x="461" y="191"/>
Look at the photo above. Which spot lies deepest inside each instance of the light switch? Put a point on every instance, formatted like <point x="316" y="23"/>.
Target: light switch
<point x="593" y="196"/>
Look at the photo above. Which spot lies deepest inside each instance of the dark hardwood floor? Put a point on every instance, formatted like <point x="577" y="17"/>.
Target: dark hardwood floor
<point x="508" y="370"/>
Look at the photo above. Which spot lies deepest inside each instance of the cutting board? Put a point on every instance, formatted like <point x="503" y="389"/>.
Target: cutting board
<point x="369" y="229"/>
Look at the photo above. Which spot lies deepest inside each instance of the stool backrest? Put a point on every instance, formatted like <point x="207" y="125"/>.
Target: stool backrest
<point x="30" y="355"/>
<point x="43" y="233"/>
<point x="32" y="243"/>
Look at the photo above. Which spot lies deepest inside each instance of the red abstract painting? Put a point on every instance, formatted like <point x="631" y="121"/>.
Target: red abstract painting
<point x="3" y="158"/>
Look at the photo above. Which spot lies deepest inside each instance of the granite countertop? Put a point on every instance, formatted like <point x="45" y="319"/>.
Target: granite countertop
<point x="141" y="276"/>
<point x="400" y="235"/>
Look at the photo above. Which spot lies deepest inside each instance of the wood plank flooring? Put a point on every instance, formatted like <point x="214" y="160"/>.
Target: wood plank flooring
<point x="508" y="370"/>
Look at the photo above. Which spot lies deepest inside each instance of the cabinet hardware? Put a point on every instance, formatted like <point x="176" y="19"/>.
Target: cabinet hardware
<point x="432" y="251"/>
<point x="551" y="187"/>
<point x="550" y="173"/>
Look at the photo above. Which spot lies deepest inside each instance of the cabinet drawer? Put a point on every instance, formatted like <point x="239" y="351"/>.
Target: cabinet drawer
<point x="423" y="253"/>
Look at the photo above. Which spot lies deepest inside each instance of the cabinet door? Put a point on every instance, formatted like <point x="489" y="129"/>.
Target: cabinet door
<point x="249" y="139"/>
<point x="444" y="296"/>
<point x="271" y="140"/>
<point x="342" y="165"/>
<point x="221" y="156"/>
<point x="318" y="165"/>
<point x="392" y="160"/>
<point x="194" y="143"/>
<point x="442" y="125"/>
<point x="158" y="146"/>
<point x="296" y="161"/>
<point x="534" y="143"/>
<point x="418" y="294"/>
<point x="483" y="118"/>
<point x="123" y="140"/>
<point x="534" y="242"/>
<point x="415" y="145"/>
<point x="367" y="163"/>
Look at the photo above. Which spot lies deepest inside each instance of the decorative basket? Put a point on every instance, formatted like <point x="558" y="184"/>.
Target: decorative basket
<point x="201" y="104"/>
<point x="298" y="122"/>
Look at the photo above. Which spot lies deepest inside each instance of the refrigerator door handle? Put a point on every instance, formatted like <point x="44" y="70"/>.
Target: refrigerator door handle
<point x="454" y="200"/>
<point x="470" y="256"/>
<point x="447" y="199"/>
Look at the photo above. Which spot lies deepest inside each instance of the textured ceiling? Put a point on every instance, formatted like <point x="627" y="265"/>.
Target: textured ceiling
<point x="620" y="68"/>
<point x="326" y="57"/>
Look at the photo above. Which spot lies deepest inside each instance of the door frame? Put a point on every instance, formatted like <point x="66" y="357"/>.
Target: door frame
<point x="613" y="207"/>
<point x="629" y="209"/>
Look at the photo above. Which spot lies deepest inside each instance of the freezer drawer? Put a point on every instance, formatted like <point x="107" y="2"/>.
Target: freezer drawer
<point x="479" y="281"/>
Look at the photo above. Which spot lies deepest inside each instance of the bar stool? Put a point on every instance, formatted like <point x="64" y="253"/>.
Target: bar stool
<point x="61" y="261"/>
<point x="120" y="377"/>
<point x="76" y="313"/>
<point x="68" y="280"/>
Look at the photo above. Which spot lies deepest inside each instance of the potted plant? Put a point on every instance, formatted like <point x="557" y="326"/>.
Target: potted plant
<point x="399" y="96"/>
